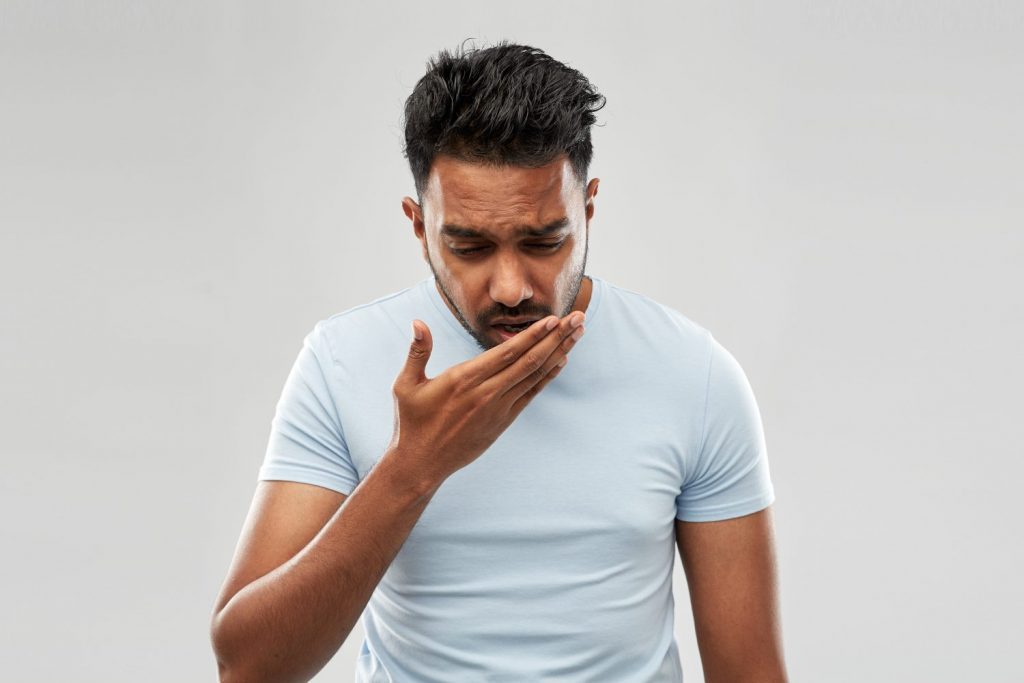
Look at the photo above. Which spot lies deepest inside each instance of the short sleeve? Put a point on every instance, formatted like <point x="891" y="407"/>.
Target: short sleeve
<point x="307" y="443"/>
<point x="730" y="476"/>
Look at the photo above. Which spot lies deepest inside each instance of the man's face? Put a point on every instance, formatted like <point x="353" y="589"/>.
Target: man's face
<point x="504" y="242"/>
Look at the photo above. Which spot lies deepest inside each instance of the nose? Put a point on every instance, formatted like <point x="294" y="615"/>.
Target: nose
<point x="509" y="284"/>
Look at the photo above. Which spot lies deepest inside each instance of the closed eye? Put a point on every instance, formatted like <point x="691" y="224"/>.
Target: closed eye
<point x="540" y="247"/>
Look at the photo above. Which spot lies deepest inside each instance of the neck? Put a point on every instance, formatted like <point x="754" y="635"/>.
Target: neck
<point x="583" y="297"/>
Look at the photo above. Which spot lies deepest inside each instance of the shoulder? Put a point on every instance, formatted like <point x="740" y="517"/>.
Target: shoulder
<point x="621" y="300"/>
<point x="662" y="328"/>
<point x="360" y="330"/>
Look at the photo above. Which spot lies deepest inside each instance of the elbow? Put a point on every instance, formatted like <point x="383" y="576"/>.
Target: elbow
<point x="225" y="674"/>
<point x="218" y="650"/>
<point x="231" y="672"/>
<point x="227" y="670"/>
<point x="234" y="663"/>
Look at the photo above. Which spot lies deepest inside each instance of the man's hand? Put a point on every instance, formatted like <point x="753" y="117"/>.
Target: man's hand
<point x="291" y="604"/>
<point x="444" y="423"/>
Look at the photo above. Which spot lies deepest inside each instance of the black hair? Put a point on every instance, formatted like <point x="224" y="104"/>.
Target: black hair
<point x="507" y="104"/>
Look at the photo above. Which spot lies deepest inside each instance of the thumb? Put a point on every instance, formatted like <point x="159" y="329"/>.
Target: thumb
<point x="419" y="353"/>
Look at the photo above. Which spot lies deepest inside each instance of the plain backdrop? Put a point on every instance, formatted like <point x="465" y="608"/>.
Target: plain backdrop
<point x="835" y="190"/>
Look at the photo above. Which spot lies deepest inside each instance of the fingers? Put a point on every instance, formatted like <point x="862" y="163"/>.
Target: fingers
<point x="532" y="362"/>
<point x="494" y="360"/>
<point x="527" y="396"/>
<point x="414" y="371"/>
<point x="550" y="367"/>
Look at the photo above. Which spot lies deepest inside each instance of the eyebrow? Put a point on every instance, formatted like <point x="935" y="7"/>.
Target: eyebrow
<point x="453" y="230"/>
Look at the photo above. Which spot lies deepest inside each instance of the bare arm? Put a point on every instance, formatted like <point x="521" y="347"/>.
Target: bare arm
<point x="287" y="624"/>
<point x="290" y="602"/>
<point x="733" y="583"/>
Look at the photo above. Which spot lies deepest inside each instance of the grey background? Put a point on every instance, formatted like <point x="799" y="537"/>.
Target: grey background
<point x="834" y="190"/>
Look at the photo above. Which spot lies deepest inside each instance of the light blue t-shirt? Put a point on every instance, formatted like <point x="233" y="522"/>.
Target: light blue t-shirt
<point x="550" y="557"/>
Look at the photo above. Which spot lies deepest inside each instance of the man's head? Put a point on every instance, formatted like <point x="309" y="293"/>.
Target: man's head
<point x="498" y="141"/>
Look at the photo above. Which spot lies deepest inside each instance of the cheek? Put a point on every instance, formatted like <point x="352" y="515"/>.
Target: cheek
<point x="568" y="274"/>
<point x="469" y="296"/>
<point x="447" y="266"/>
<point x="563" y="282"/>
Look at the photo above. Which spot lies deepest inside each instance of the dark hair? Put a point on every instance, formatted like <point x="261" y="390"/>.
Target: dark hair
<point x="505" y="105"/>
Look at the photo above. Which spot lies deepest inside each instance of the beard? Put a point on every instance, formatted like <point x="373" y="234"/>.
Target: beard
<point x="575" y="280"/>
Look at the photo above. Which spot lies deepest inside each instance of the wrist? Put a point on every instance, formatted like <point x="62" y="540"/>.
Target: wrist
<point x="405" y="475"/>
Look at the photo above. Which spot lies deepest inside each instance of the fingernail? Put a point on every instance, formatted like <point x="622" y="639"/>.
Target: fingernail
<point x="577" y="320"/>
<point x="577" y="334"/>
<point x="550" y="324"/>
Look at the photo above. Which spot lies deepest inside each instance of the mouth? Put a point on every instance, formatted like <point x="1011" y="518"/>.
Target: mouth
<point x="509" y="331"/>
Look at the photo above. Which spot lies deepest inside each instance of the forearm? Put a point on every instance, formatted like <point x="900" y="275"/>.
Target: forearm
<point x="286" y="625"/>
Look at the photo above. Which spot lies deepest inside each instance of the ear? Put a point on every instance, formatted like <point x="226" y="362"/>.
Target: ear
<point x="591" y="193"/>
<point x="415" y="214"/>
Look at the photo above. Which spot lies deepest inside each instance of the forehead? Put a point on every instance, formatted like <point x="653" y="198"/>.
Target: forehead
<point x="488" y="195"/>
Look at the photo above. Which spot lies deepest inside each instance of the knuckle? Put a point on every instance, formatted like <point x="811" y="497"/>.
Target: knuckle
<point x="398" y="388"/>
<point x="460" y="382"/>
<point x="485" y="398"/>
<point x="532" y="362"/>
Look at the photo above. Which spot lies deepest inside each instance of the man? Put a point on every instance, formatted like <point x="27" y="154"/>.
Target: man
<point x="489" y="510"/>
